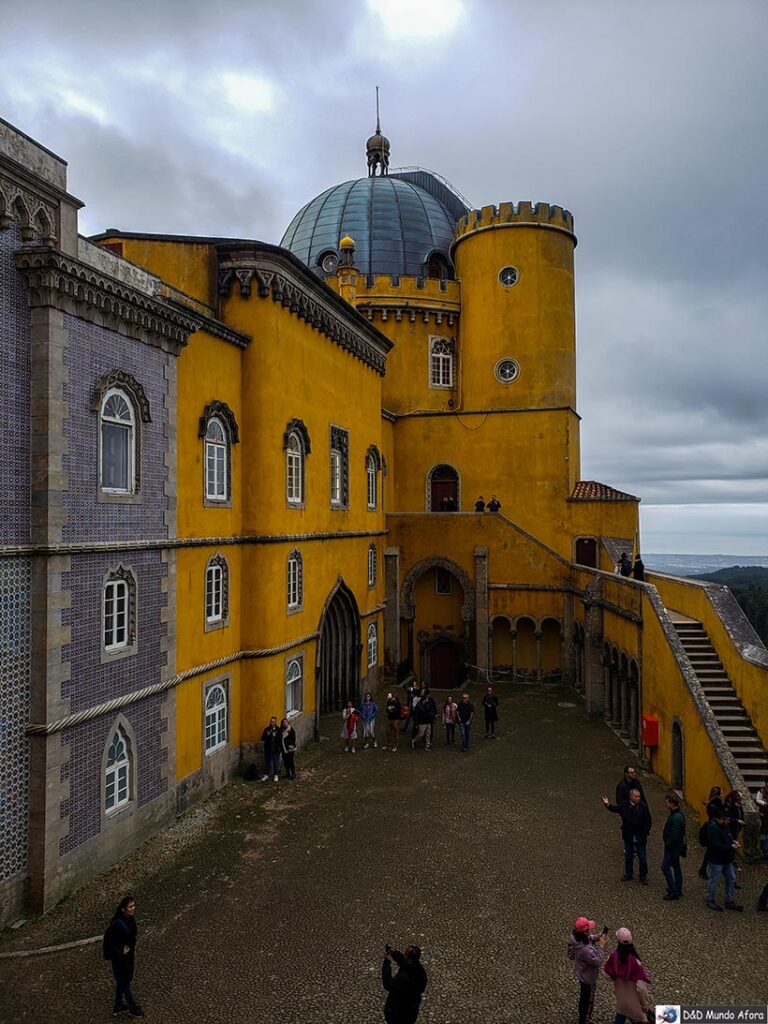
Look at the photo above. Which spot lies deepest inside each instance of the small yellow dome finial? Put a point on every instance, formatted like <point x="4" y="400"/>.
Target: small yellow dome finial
<point x="347" y="243"/>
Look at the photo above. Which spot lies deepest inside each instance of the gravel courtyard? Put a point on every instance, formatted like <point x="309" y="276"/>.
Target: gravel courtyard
<point x="273" y="902"/>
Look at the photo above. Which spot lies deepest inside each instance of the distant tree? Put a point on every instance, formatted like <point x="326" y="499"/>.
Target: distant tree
<point x="749" y="585"/>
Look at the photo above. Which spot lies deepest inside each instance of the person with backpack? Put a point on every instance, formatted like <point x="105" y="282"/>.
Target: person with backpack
<point x="119" y="947"/>
<point x="587" y="950"/>
<point x="674" y="848"/>
<point x="405" y="990"/>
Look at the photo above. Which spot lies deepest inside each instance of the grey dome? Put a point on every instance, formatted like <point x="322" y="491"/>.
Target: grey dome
<point x="397" y="226"/>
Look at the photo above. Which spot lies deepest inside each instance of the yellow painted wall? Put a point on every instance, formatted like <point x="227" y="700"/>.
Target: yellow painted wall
<point x="437" y="611"/>
<point x="188" y="266"/>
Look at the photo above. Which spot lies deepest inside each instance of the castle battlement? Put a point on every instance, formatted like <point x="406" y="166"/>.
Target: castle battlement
<point x="397" y="285"/>
<point x="522" y="213"/>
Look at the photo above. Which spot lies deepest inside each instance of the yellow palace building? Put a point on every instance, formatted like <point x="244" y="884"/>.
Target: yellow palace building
<point x="333" y="410"/>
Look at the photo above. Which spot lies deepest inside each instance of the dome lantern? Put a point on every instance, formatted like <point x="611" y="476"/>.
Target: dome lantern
<point x="377" y="147"/>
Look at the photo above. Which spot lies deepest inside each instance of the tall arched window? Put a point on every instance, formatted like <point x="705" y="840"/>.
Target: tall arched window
<point x="295" y="581"/>
<point x="118" y="612"/>
<point x="294" y="684"/>
<point x="117" y="464"/>
<point x="442" y="354"/>
<point x="294" y="470"/>
<point x="373" y="645"/>
<point x="216" y="468"/>
<point x="117" y="780"/>
<point x="215" y="718"/>
<point x="370" y="479"/>
<point x="372" y="565"/>
<point x="216" y="592"/>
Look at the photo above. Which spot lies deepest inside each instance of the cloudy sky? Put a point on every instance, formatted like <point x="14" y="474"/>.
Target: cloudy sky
<point x="649" y="121"/>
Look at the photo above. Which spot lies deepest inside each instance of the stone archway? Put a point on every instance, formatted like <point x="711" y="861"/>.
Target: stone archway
<point x="408" y="612"/>
<point x="338" y="650"/>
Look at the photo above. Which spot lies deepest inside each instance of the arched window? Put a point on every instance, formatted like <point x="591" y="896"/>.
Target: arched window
<point x="295" y="581"/>
<point x="216" y="592"/>
<point x="442" y="355"/>
<point x="219" y="431"/>
<point x="294" y="685"/>
<point x="117" y="780"/>
<point x="117" y="464"/>
<point x="215" y="718"/>
<point x="118" y="611"/>
<point x="294" y="470"/>
<point x="372" y="565"/>
<point x="373" y="645"/>
<point x="443" y="490"/>
<point x="436" y="266"/>
<point x="216" y="470"/>
<point x="370" y="478"/>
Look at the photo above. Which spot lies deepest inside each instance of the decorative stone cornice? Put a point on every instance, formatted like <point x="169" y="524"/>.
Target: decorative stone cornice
<point x="54" y="279"/>
<point x="126" y="381"/>
<point x="270" y="271"/>
<point x="299" y="427"/>
<point x="408" y="312"/>
<point x="223" y="412"/>
<point x="36" y="217"/>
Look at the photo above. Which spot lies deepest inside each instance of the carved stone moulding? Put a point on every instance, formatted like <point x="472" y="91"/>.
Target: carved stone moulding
<point x="36" y="217"/>
<point x="60" y="281"/>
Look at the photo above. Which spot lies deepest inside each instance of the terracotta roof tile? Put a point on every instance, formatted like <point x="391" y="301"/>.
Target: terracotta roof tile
<point x="592" y="490"/>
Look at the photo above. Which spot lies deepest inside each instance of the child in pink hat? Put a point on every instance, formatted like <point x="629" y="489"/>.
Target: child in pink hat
<point x="587" y="950"/>
<point x="630" y="980"/>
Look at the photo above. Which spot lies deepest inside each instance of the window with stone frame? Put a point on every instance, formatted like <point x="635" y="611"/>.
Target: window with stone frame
<point x="216" y="717"/>
<point x="295" y="581"/>
<point x="371" y="481"/>
<point x="117" y="778"/>
<point x="219" y="432"/>
<point x="372" y="567"/>
<point x="294" y="685"/>
<point x="339" y="467"/>
<point x="118" y="611"/>
<point x="443" y="582"/>
<point x="294" y="470"/>
<point x="373" y="645"/>
<point x="117" y="439"/>
<point x="442" y="358"/>
<point x="216" y="592"/>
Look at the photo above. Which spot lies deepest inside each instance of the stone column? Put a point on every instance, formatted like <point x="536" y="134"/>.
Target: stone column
<point x="569" y="654"/>
<point x="392" y="656"/>
<point x="481" y="608"/>
<point x="537" y="636"/>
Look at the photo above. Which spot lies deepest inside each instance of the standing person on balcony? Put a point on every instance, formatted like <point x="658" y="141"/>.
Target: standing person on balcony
<point x="625" y="565"/>
<point x="480" y="504"/>
<point x="494" y="504"/>
<point x="635" y="826"/>
<point x="638" y="569"/>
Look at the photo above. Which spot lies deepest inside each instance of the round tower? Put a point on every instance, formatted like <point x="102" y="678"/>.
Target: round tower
<point x="518" y="339"/>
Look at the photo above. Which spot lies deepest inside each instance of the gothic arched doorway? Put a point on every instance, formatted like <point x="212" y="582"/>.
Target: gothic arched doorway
<point x="443" y="489"/>
<point x="338" y="650"/>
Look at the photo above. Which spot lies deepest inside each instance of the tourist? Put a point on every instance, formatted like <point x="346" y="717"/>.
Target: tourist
<point x="625" y="564"/>
<point x="350" y="718"/>
<point x="368" y="711"/>
<point x="714" y="805"/>
<point x="449" y="719"/>
<point x="630" y="781"/>
<point x="587" y="951"/>
<point x="393" y="711"/>
<point x="630" y="980"/>
<point x="494" y="504"/>
<point x="635" y="826"/>
<point x="119" y="947"/>
<point x="405" y="990"/>
<point x="674" y="848"/>
<point x="638" y="569"/>
<point x="721" y="851"/>
<point x="733" y="806"/>
<point x="288" y="744"/>
<point x="423" y="720"/>
<point x="411" y="700"/>
<point x="761" y="799"/>
<point x="491" y="708"/>
<point x="432" y="712"/>
<point x="465" y="713"/>
<point x="480" y="504"/>
<point x="272" y="738"/>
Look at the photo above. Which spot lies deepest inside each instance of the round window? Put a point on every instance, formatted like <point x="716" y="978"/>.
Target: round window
<point x="329" y="261"/>
<point x="507" y="370"/>
<point x="509" y="276"/>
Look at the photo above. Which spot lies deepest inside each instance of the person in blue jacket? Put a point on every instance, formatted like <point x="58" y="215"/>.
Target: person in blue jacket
<point x="119" y="948"/>
<point x="368" y="711"/>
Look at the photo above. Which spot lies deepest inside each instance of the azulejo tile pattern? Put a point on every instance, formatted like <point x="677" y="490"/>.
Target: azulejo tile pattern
<point x="91" y="353"/>
<point x="14" y="394"/>
<point x="15" y="667"/>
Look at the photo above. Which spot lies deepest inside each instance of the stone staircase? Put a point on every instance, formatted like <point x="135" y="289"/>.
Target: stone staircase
<point x="734" y="722"/>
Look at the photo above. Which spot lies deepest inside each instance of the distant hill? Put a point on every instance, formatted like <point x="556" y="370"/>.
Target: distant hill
<point x="749" y="585"/>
